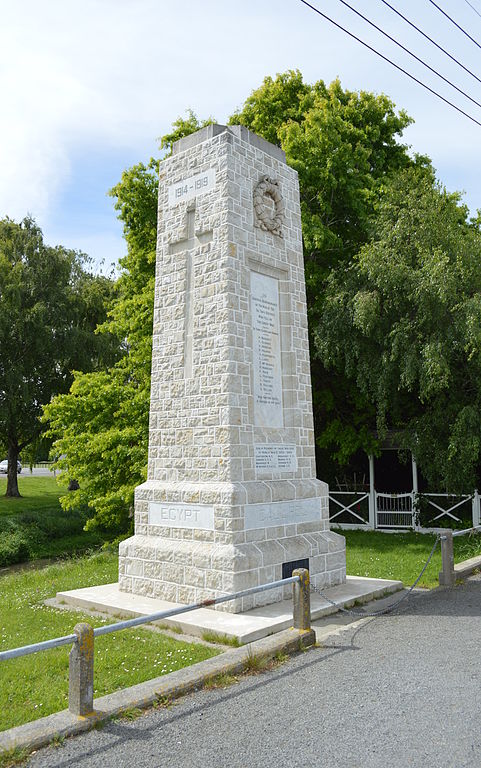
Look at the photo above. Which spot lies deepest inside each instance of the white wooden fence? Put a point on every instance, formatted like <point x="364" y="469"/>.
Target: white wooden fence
<point x="364" y="509"/>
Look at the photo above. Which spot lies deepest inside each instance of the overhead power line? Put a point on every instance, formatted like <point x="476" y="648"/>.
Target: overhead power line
<point x="440" y="47"/>
<point x="473" y="8"/>
<point x="385" y="58"/>
<point x="406" y="50"/>
<point x="455" y="23"/>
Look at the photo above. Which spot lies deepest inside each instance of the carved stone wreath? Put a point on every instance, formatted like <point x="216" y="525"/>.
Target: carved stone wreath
<point x="265" y="219"/>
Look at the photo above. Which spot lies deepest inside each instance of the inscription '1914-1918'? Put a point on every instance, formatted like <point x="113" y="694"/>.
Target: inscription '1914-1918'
<point x="188" y="189"/>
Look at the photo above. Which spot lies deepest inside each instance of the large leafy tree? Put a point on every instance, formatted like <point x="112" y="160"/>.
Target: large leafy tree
<point x="402" y="322"/>
<point x="344" y="145"/>
<point x="101" y="426"/>
<point x="49" y="309"/>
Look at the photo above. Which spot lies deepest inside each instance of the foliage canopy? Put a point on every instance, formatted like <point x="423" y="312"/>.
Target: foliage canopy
<point x="402" y="323"/>
<point x="344" y="145"/>
<point x="49" y="309"/>
<point x="101" y="426"/>
<point x="382" y="273"/>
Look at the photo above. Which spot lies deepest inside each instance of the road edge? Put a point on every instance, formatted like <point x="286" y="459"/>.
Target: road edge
<point x="44" y="731"/>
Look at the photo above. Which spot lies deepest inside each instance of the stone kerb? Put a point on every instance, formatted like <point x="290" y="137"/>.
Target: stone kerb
<point x="232" y="493"/>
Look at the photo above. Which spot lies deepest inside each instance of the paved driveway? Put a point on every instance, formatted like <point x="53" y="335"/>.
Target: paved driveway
<point x="36" y="472"/>
<point x="398" y="691"/>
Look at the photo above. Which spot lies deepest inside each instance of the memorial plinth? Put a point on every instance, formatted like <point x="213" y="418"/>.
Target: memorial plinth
<point x="232" y="499"/>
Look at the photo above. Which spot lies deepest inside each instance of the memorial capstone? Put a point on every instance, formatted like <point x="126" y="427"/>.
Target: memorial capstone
<point x="232" y="498"/>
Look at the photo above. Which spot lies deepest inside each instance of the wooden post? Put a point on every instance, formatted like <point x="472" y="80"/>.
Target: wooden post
<point x="415" y="474"/>
<point x="302" y="600"/>
<point x="476" y="509"/>
<point x="415" y="490"/>
<point x="372" y="494"/>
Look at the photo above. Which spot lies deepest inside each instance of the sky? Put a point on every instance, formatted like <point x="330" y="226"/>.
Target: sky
<point x="88" y="87"/>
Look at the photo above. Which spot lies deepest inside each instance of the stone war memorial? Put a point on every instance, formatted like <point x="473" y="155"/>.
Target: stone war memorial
<point x="232" y="500"/>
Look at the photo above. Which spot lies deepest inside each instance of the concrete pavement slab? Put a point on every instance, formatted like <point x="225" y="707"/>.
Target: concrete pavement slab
<point x="246" y="627"/>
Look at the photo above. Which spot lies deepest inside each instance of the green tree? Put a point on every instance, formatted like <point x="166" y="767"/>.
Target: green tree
<point x="49" y="308"/>
<point x="344" y="146"/>
<point x="100" y="428"/>
<point x="181" y="127"/>
<point x="402" y="323"/>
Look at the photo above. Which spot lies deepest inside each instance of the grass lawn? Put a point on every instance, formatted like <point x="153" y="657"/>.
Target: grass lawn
<point x="35" y="526"/>
<point x="37" y="685"/>
<point x="401" y="555"/>
<point x="38" y="493"/>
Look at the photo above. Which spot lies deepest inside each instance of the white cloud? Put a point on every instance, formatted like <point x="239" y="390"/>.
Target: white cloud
<point x="115" y="73"/>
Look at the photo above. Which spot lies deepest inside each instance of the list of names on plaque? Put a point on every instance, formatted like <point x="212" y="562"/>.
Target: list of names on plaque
<point x="275" y="456"/>
<point x="266" y="351"/>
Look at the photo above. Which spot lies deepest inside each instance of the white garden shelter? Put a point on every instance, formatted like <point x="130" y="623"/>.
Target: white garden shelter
<point x="372" y="502"/>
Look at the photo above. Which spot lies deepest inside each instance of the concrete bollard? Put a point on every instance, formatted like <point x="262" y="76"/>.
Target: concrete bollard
<point x="446" y="576"/>
<point x="81" y="672"/>
<point x="302" y="600"/>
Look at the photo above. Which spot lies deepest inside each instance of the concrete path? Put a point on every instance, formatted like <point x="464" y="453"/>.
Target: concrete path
<point x="397" y="691"/>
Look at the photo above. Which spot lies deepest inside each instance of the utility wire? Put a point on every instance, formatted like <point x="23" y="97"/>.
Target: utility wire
<point x="473" y="8"/>
<point x="455" y="23"/>
<point x="440" y="47"/>
<point x="381" y="55"/>
<point x="406" y="50"/>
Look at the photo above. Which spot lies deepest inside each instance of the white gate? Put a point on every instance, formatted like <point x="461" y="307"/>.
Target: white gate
<point x="360" y="509"/>
<point x="395" y="510"/>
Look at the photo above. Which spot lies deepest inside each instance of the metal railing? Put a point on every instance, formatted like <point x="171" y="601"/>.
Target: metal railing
<point x="447" y="576"/>
<point x="81" y="656"/>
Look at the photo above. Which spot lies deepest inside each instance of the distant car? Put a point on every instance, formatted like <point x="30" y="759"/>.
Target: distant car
<point x="4" y="467"/>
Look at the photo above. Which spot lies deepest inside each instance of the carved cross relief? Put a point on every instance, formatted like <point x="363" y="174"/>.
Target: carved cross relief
<point x="188" y="245"/>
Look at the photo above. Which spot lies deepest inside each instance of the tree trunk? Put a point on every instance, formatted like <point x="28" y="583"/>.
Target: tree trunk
<point x="12" y="484"/>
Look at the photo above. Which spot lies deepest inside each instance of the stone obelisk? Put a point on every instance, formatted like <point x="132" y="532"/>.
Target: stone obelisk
<point x="232" y="499"/>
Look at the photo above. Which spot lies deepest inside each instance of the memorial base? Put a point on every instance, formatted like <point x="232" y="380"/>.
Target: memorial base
<point x="189" y="564"/>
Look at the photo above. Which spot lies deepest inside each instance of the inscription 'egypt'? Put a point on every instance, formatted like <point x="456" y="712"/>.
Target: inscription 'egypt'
<point x="181" y="515"/>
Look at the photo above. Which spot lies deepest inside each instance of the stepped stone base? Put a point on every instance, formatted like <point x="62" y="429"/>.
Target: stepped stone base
<point x="187" y="565"/>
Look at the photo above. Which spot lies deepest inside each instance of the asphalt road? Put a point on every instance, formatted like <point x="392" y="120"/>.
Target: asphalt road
<point x="398" y="691"/>
<point x="35" y="472"/>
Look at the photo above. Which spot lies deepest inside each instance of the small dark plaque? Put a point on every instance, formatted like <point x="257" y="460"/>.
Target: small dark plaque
<point x="287" y="568"/>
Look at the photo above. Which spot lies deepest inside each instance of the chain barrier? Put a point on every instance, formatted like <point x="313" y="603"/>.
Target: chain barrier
<point x="389" y="608"/>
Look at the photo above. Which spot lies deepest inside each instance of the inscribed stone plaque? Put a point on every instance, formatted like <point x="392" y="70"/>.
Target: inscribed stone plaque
<point x="189" y="188"/>
<point x="276" y="456"/>
<point x="282" y="513"/>
<point x="266" y="351"/>
<point x="181" y="515"/>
